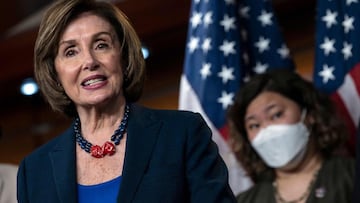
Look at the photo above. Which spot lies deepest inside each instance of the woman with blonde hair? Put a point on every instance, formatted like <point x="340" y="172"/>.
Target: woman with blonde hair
<point x="89" y="66"/>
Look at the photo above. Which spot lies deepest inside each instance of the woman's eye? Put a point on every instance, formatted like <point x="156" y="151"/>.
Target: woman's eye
<point x="102" y="46"/>
<point x="276" y="115"/>
<point x="252" y="126"/>
<point x="70" y="53"/>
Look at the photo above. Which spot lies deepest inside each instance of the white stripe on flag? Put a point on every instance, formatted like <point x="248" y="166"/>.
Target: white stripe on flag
<point x="351" y="99"/>
<point x="189" y="101"/>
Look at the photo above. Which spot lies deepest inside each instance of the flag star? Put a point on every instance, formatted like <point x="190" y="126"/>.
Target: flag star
<point x="347" y="50"/>
<point x="265" y="18"/>
<point x="283" y="51"/>
<point x="205" y="70"/>
<point x="330" y="18"/>
<point x="244" y="11"/>
<point x="348" y="23"/>
<point x="195" y="19"/>
<point x="197" y="1"/>
<point x="193" y="44"/>
<point x="328" y="46"/>
<point x="260" y="68"/>
<point x="226" y="99"/>
<point x="348" y="2"/>
<point x="227" y="48"/>
<point x="262" y="44"/>
<point x="228" y="23"/>
<point x="226" y="74"/>
<point x="327" y="73"/>
<point x="206" y="45"/>
<point x="208" y="18"/>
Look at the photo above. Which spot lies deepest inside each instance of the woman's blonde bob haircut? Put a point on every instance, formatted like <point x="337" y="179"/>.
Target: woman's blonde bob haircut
<point x="53" y="24"/>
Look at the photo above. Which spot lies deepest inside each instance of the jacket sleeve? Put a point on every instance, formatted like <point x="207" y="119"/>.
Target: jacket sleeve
<point x="207" y="173"/>
<point x="21" y="184"/>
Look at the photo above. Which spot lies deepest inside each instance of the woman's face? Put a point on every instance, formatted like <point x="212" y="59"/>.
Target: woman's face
<point x="270" y="108"/>
<point x="88" y="61"/>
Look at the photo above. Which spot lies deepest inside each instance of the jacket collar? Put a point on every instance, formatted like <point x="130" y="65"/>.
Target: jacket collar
<point x="143" y="130"/>
<point x="63" y="163"/>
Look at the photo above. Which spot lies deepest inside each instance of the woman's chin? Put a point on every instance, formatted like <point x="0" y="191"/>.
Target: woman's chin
<point x="101" y="101"/>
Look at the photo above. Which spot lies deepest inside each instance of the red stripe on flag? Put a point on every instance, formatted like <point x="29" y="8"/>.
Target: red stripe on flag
<point x="224" y="131"/>
<point x="355" y="75"/>
<point x="344" y="113"/>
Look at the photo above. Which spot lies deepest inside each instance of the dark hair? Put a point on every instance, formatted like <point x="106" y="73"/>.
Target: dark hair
<point x="327" y="131"/>
<point x="53" y="24"/>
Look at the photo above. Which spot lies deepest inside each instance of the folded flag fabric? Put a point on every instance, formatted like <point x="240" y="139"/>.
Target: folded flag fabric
<point x="227" y="42"/>
<point x="337" y="67"/>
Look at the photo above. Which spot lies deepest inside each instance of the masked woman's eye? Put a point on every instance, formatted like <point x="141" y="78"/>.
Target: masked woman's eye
<point x="252" y="126"/>
<point x="277" y="115"/>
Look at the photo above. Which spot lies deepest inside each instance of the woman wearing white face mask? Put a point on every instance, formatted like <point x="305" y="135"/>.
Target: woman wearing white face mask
<point x="285" y="133"/>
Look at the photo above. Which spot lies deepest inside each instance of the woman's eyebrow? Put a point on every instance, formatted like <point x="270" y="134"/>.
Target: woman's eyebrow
<point x="71" y="41"/>
<point x="104" y="33"/>
<point x="270" y="107"/>
<point x="266" y="110"/>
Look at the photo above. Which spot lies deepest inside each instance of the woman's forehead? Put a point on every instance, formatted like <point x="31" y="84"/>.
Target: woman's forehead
<point x="266" y="101"/>
<point x="86" y="23"/>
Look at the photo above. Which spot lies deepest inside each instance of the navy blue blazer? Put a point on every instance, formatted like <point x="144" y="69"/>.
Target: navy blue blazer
<point x="169" y="157"/>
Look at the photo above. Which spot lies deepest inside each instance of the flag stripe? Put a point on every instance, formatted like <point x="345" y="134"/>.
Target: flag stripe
<point x="355" y="75"/>
<point x="350" y="98"/>
<point x="345" y="115"/>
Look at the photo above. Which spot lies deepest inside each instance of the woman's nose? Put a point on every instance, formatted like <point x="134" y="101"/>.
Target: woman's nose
<point x="264" y="124"/>
<point x="90" y="61"/>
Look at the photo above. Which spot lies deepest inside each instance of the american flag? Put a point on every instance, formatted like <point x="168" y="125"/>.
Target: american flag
<point x="337" y="67"/>
<point x="228" y="41"/>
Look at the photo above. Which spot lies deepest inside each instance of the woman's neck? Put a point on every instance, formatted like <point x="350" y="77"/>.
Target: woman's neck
<point x="296" y="183"/>
<point x="97" y="127"/>
<point x="94" y="117"/>
<point x="310" y="164"/>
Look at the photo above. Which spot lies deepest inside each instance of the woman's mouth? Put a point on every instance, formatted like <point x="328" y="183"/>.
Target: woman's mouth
<point x="93" y="81"/>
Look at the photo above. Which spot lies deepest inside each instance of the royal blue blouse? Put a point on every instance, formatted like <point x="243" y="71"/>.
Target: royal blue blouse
<point x="99" y="193"/>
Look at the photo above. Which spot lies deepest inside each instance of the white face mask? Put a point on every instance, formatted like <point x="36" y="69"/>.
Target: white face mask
<point x="280" y="145"/>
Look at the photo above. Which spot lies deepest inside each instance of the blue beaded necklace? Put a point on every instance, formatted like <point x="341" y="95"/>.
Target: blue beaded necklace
<point x="108" y="147"/>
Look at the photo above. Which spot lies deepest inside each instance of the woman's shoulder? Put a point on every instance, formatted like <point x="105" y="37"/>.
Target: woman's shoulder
<point x="8" y="170"/>
<point x="259" y="193"/>
<point x="340" y="168"/>
<point x="335" y="180"/>
<point x="65" y="138"/>
<point x="340" y="163"/>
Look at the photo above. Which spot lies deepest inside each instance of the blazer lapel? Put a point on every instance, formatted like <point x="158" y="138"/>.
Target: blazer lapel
<point x="64" y="167"/>
<point x="143" y="130"/>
